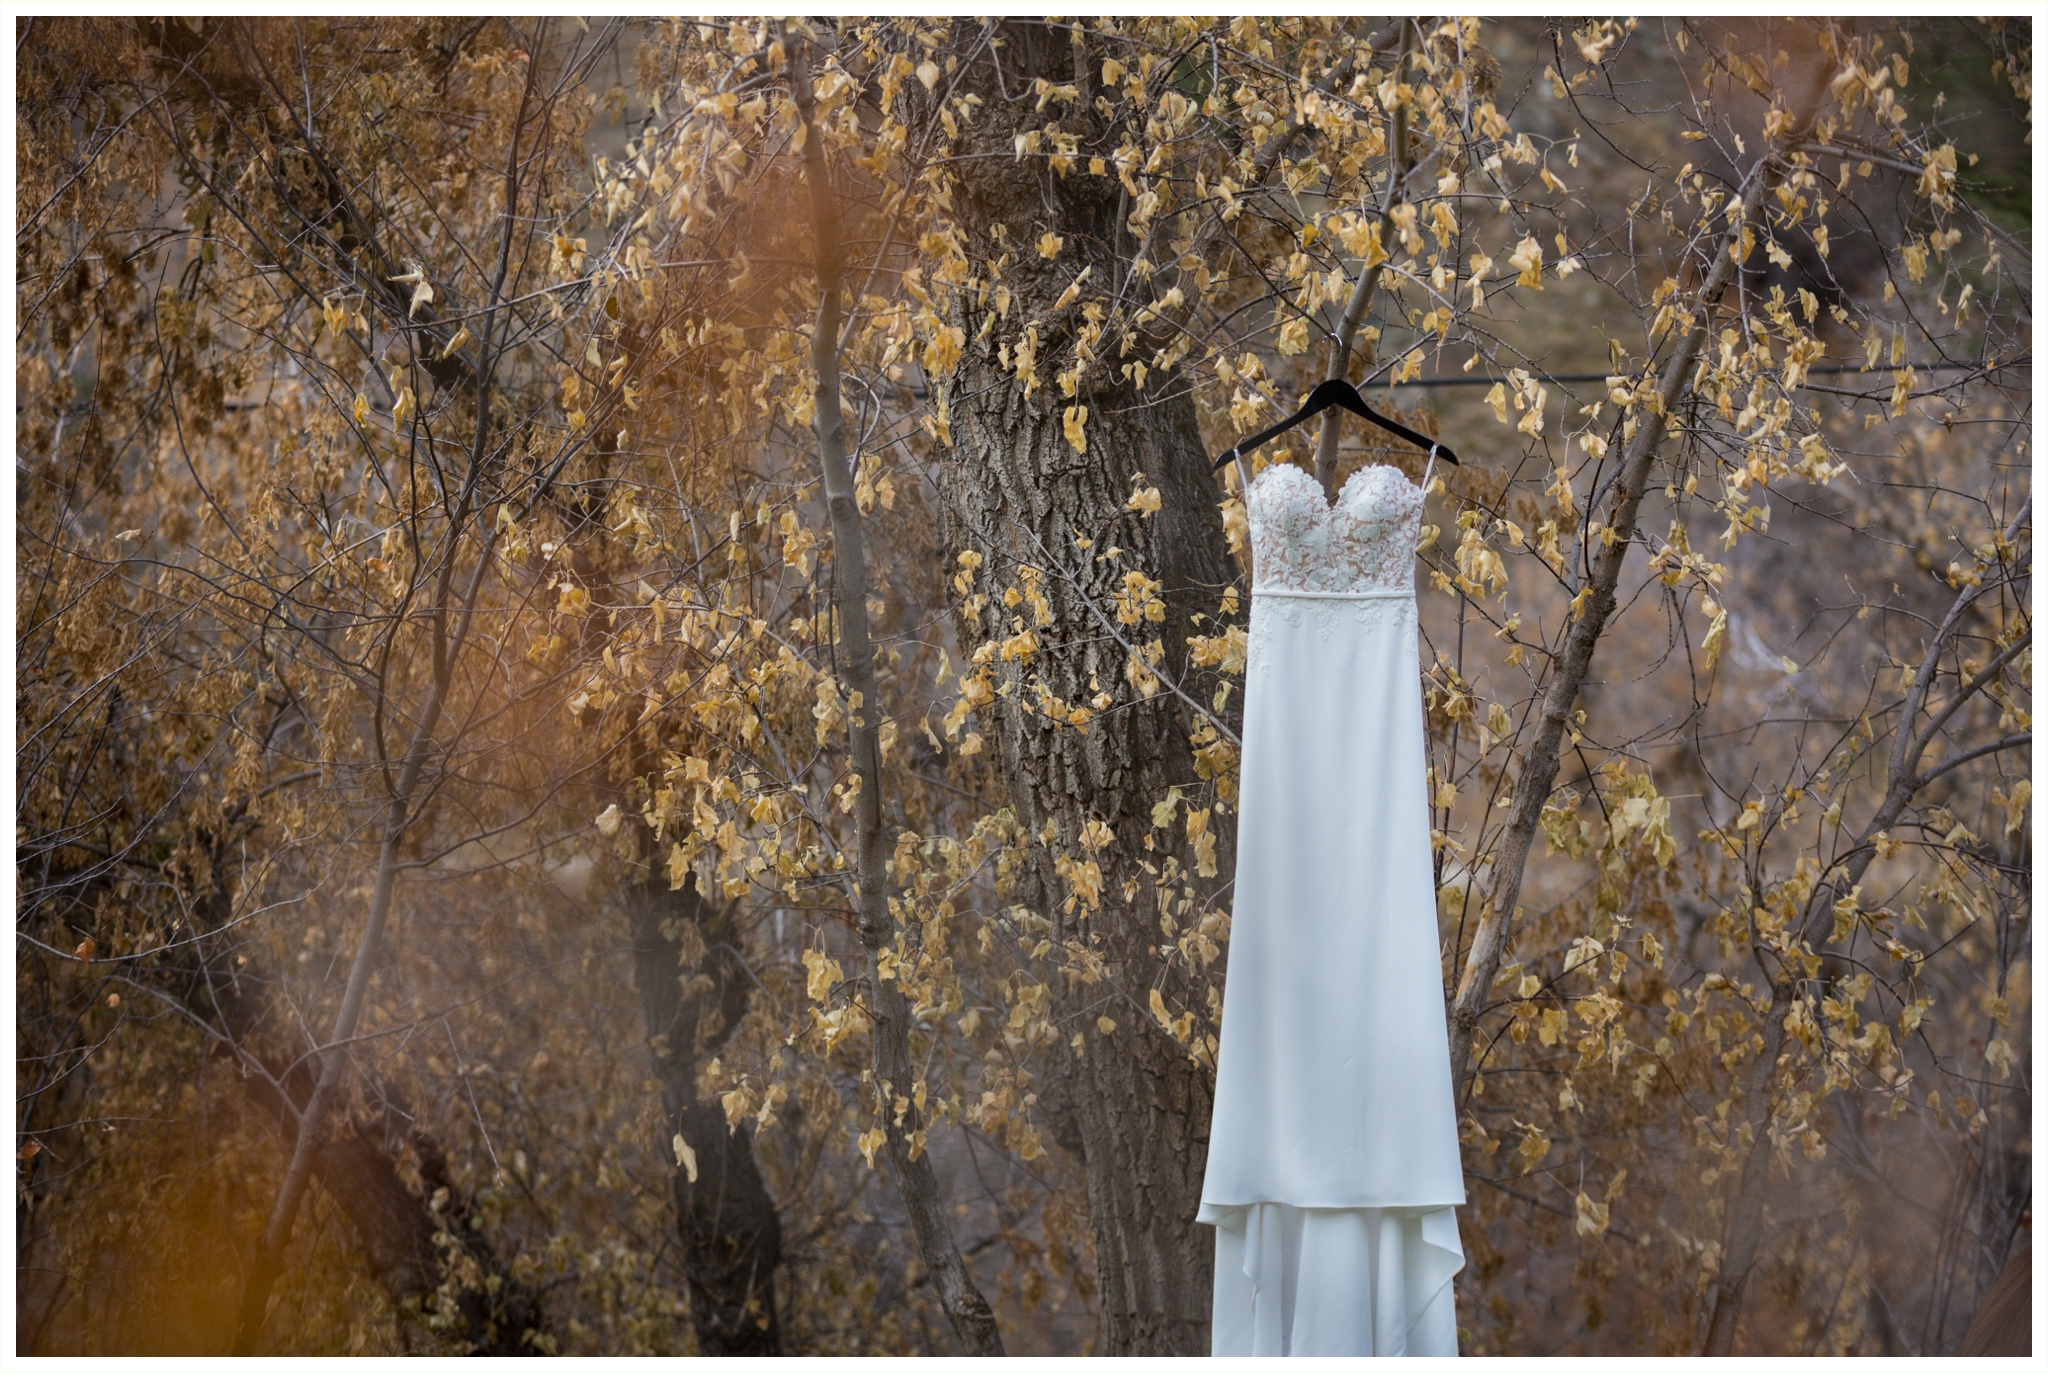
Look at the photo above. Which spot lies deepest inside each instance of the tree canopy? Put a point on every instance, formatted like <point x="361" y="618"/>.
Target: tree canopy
<point x="628" y="665"/>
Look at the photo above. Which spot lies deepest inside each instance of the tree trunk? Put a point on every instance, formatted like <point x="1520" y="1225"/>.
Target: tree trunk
<point x="394" y="1226"/>
<point x="1015" y="491"/>
<point x="1139" y="1111"/>
<point x="726" y="1221"/>
<point x="395" y="1230"/>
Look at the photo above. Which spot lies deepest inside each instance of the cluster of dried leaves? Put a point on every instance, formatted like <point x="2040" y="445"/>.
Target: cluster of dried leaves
<point x="449" y="794"/>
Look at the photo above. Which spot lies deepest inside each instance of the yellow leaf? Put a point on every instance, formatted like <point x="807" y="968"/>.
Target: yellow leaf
<point x="1594" y="42"/>
<point x="2016" y="806"/>
<point x="942" y="353"/>
<point x="1498" y="399"/>
<point x="1105" y="1024"/>
<point x="1717" y="633"/>
<point x="738" y="1104"/>
<point x="1049" y="245"/>
<point x="1592" y="1216"/>
<point x="1527" y="259"/>
<point x="1375" y="252"/>
<point x="1916" y="260"/>
<point x="1076" y="416"/>
<point x="608" y="822"/>
<point x="1902" y="390"/>
<point x="822" y="974"/>
<point x="1481" y="265"/>
<point x="1998" y="1054"/>
<point x="686" y="1157"/>
<point x="1585" y="949"/>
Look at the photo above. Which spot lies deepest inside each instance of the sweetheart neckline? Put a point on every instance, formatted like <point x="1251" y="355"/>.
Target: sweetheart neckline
<point x="1327" y="505"/>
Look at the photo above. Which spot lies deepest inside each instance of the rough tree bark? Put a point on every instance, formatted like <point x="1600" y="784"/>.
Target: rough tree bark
<point x="726" y="1221"/>
<point x="1136" y="1110"/>
<point x="974" y="1324"/>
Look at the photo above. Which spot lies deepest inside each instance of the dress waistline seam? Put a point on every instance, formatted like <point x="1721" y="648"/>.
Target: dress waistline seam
<point x="1335" y="595"/>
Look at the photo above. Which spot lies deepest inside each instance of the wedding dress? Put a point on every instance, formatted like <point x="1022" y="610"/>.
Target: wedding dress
<point x="1333" y="1152"/>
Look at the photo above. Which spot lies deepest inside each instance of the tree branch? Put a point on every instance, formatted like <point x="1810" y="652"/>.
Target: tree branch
<point x="1539" y="771"/>
<point x="399" y="815"/>
<point x="1368" y="282"/>
<point x="2020" y="740"/>
<point x="974" y="1324"/>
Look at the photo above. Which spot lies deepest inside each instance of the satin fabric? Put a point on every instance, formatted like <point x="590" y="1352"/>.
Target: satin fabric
<point x="1333" y="1155"/>
<point x="1302" y="1282"/>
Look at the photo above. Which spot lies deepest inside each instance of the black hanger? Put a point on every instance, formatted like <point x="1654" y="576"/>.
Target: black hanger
<point x="1344" y="395"/>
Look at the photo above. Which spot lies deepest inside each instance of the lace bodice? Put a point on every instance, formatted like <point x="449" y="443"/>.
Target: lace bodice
<point x="1363" y="543"/>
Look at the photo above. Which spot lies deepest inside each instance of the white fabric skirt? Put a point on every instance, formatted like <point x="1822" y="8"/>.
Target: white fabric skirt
<point x="1300" y="1281"/>
<point x="1333" y="1160"/>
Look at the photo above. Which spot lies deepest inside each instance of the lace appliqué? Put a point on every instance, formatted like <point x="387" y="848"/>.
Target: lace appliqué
<point x="1365" y="542"/>
<point x="1395" y="611"/>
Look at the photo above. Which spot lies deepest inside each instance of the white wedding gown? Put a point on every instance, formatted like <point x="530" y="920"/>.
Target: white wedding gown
<point x="1333" y="1153"/>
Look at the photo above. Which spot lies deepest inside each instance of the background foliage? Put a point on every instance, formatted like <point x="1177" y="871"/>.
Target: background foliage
<point x="420" y="513"/>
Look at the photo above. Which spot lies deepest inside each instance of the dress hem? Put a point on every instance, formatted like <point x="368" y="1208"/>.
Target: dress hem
<point x="1207" y="1207"/>
<point x="1346" y="1281"/>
